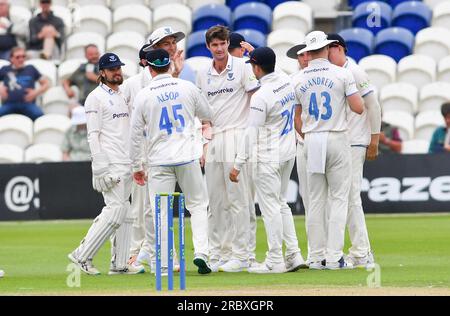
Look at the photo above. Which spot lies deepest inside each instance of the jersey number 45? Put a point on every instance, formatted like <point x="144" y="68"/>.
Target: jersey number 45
<point x="166" y="123"/>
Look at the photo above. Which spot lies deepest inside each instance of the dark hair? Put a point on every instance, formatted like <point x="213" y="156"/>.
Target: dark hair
<point x="100" y="78"/>
<point x="160" y="70"/>
<point x="268" y="69"/>
<point x="218" y="31"/>
<point x="445" y="109"/>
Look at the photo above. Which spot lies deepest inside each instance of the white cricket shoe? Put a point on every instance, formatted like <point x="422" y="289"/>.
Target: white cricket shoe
<point x="342" y="264"/>
<point x="202" y="263"/>
<point x="87" y="266"/>
<point x="317" y="265"/>
<point x="134" y="268"/>
<point x="144" y="258"/>
<point x="252" y="262"/>
<point x="234" y="265"/>
<point x="2" y="273"/>
<point x="216" y="264"/>
<point x="267" y="267"/>
<point x="294" y="262"/>
<point x="366" y="262"/>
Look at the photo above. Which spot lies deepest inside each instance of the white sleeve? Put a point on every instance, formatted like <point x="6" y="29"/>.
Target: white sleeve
<point x="248" y="79"/>
<point x="137" y="133"/>
<point x="94" y="123"/>
<point x="362" y="81"/>
<point x="202" y="107"/>
<point x="256" y="118"/>
<point x="350" y="84"/>
<point x="374" y="112"/>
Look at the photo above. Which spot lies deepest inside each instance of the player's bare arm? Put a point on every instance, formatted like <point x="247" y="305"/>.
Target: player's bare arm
<point x="298" y="120"/>
<point x="356" y="103"/>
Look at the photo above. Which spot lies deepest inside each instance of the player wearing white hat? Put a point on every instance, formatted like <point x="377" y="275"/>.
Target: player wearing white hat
<point x="270" y="130"/>
<point x="167" y="107"/>
<point x="302" y="60"/>
<point x="227" y="84"/>
<point x="324" y="90"/>
<point x="364" y="132"/>
<point x="108" y="125"/>
<point x="166" y="38"/>
<point x="140" y="204"/>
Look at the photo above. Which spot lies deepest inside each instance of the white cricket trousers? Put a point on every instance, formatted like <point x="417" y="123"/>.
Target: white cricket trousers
<point x="138" y="202"/>
<point x="114" y="221"/>
<point x="190" y="179"/>
<point x="356" y="221"/>
<point x="251" y="171"/>
<point x="271" y="188"/>
<point x="326" y="236"/>
<point x="302" y="181"/>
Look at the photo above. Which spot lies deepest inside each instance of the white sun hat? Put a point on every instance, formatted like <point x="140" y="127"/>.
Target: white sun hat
<point x="78" y="116"/>
<point x="161" y="33"/>
<point x="315" y="40"/>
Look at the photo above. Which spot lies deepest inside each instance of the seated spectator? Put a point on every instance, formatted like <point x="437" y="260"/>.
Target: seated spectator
<point x="17" y="88"/>
<point x="46" y="33"/>
<point x="440" y="142"/>
<point x="11" y="34"/>
<point x="85" y="77"/>
<point x="75" y="145"/>
<point x="390" y="140"/>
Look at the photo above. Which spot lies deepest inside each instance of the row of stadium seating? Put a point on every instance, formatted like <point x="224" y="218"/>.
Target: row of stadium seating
<point x="33" y="154"/>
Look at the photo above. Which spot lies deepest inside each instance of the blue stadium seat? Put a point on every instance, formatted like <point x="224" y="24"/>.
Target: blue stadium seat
<point x="209" y="15"/>
<point x="377" y="21"/>
<point x="196" y="45"/>
<point x="232" y="4"/>
<point x="395" y="3"/>
<point x="359" y="42"/>
<point x="355" y="3"/>
<point x="396" y="42"/>
<point x="273" y="3"/>
<point x="254" y="37"/>
<point x="253" y="15"/>
<point x="412" y="15"/>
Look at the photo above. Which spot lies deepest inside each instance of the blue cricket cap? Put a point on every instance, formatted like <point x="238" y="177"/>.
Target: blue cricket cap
<point x="109" y="60"/>
<point x="262" y="56"/>
<point x="158" y="58"/>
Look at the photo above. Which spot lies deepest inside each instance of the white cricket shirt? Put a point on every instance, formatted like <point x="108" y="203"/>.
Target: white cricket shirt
<point x="272" y="110"/>
<point x="322" y="89"/>
<point x="108" y="114"/>
<point x="168" y="107"/>
<point x="359" y="125"/>
<point x="227" y="93"/>
<point x="134" y="84"/>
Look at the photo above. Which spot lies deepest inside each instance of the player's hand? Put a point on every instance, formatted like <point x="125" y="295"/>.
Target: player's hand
<point x="3" y="92"/>
<point x="248" y="47"/>
<point x="234" y="175"/>
<point x="178" y="62"/>
<point x="372" y="152"/>
<point x="140" y="178"/>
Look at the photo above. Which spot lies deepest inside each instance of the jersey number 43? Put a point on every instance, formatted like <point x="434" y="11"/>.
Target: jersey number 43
<point x="165" y="123"/>
<point x="314" y="109"/>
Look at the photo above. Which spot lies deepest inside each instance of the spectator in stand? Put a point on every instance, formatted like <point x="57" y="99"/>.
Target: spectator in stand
<point x="11" y="33"/>
<point x="390" y="141"/>
<point x="440" y="142"/>
<point x="75" y="145"/>
<point x="17" y="87"/>
<point x="46" y="33"/>
<point x="85" y="77"/>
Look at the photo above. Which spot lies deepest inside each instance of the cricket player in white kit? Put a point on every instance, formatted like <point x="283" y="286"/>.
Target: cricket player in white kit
<point x="168" y="108"/>
<point x="140" y="204"/>
<point x="237" y="48"/>
<point x="364" y="132"/>
<point x="270" y="129"/>
<point x="324" y="91"/>
<point x="108" y="125"/>
<point x="226" y="84"/>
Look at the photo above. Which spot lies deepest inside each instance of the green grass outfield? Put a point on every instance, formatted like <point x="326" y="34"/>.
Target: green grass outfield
<point x="413" y="252"/>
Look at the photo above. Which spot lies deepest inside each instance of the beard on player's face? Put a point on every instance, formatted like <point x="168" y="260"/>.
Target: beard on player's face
<point x="113" y="77"/>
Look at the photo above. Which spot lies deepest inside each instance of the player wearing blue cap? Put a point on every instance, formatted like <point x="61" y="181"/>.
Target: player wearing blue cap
<point x="108" y="125"/>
